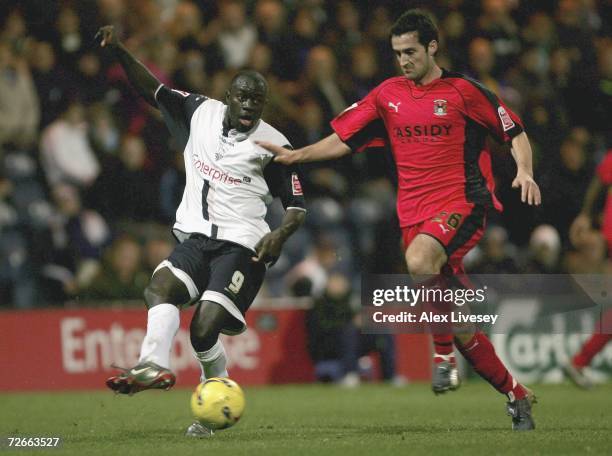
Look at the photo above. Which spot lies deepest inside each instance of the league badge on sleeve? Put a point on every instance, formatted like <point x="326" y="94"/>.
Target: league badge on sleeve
<point x="440" y="107"/>
<point x="180" y="92"/>
<point x="296" y="185"/>
<point x="506" y="120"/>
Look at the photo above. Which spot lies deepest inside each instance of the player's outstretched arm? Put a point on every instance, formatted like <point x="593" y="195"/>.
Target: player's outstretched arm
<point x="139" y="76"/>
<point x="521" y="151"/>
<point x="269" y="247"/>
<point x="328" y="148"/>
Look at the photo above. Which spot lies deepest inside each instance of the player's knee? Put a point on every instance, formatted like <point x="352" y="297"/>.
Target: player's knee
<point x="420" y="264"/>
<point x="206" y="326"/>
<point x="165" y="288"/>
<point x="155" y="294"/>
<point x="203" y="335"/>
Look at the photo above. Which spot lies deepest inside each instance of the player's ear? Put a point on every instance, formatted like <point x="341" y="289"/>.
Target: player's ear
<point x="432" y="47"/>
<point x="227" y="96"/>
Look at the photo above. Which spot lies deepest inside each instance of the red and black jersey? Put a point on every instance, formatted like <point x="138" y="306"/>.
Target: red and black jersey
<point x="437" y="133"/>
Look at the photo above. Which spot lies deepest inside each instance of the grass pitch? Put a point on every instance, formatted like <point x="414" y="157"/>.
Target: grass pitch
<point x="316" y="420"/>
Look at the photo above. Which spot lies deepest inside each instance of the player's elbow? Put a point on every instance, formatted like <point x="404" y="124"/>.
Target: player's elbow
<point x="149" y="97"/>
<point x="297" y="216"/>
<point x="300" y="217"/>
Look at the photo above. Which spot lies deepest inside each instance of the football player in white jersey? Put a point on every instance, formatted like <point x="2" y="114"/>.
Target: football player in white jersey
<point x="225" y="244"/>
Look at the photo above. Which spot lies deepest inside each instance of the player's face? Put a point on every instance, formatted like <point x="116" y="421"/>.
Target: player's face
<point x="245" y="99"/>
<point x="415" y="60"/>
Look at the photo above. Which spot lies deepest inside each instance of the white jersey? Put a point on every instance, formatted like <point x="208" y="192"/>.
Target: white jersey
<point x="229" y="179"/>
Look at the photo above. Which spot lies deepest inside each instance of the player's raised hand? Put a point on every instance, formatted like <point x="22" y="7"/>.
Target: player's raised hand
<point x="106" y="36"/>
<point x="282" y="155"/>
<point x="530" y="192"/>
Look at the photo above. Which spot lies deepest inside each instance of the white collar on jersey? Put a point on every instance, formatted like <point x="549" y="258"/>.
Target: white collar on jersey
<point x="237" y="136"/>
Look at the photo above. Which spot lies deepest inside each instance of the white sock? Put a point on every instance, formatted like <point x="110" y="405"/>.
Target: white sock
<point x="162" y="325"/>
<point x="213" y="362"/>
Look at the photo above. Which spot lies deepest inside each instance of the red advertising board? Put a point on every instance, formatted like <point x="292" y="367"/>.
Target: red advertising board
<point x="74" y="349"/>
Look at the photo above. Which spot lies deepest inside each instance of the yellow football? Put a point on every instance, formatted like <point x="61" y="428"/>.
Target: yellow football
<point x="218" y="403"/>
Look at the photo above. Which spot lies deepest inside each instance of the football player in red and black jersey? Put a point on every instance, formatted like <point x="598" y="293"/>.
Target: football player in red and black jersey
<point x="436" y="123"/>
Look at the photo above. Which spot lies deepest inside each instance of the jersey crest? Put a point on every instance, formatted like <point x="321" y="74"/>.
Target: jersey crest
<point x="440" y="107"/>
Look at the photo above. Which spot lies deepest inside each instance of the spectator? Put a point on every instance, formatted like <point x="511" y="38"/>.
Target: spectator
<point x="52" y="82"/>
<point x="17" y="277"/>
<point x="544" y="255"/>
<point x="271" y="19"/>
<point x="271" y="16"/>
<point x="129" y="189"/>
<point x="497" y="25"/>
<point x="171" y="188"/>
<point x="89" y="78"/>
<point x="348" y="33"/>
<point x="312" y="124"/>
<point x="482" y="62"/>
<point x="13" y="29"/>
<point x="280" y="110"/>
<point x="309" y="277"/>
<point x="304" y="36"/>
<point x="122" y="277"/>
<point x="320" y="80"/>
<point x="237" y="36"/>
<point x="68" y="39"/>
<point x="186" y="25"/>
<point x="540" y="32"/>
<point x="104" y="133"/>
<point x="602" y="98"/>
<point x="496" y="254"/>
<point x="576" y="37"/>
<point x="589" y="256"/>
<point x="19" y="107"/>
<point x="156" y="250"/>
<point x="78" y="236"/>
<point x="364" y="68"/>
<point x="565" y="186"/>
<point x="455" y="37"/>
<point x="191" y="75"/>
<point x="66" y="154"/>
<point x="378" y="26"/>
<point x="335" y="341"/>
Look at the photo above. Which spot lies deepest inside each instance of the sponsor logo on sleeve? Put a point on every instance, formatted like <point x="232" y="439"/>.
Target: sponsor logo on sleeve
<point x="506" y="120"/>
<point x="296" y="186"/>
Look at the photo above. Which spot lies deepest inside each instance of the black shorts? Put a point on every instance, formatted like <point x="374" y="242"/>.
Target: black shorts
<point x="218" y="271"/>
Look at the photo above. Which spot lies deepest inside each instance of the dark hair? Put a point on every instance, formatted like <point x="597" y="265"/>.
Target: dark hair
<point x="416" y="20"/>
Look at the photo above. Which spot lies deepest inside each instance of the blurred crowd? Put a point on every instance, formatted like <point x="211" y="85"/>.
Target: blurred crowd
<point x="90" y="179"/>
